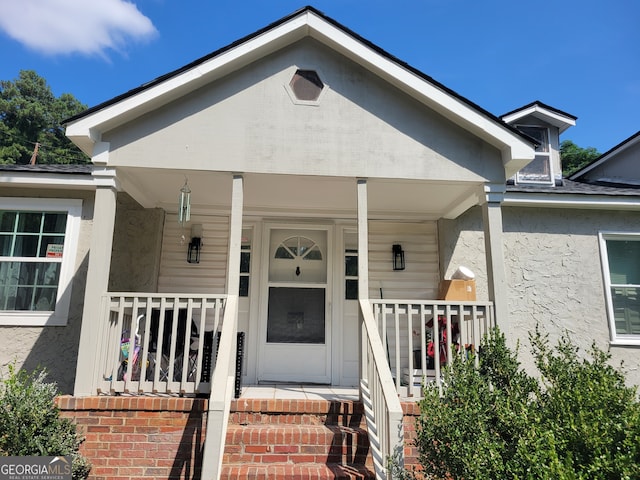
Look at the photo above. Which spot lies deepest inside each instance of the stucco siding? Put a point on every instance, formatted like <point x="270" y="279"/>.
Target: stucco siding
<point x="553" y="270"/>
<point x="137" y="240"/>
<point x="461" y="243"/>
<point x="54" y="348"/>
<point x="361" y="126"/>
<point x="555" y="276"/>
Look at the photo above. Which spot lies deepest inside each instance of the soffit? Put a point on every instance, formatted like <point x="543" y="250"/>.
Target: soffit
<point x="304" y="196"/>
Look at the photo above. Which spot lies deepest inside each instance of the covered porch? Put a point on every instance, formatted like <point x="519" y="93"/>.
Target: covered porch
<point x="179" y="318"/>
<point x="184" y="342"/>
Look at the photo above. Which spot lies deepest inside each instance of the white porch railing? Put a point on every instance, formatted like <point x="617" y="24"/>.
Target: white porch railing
<point x="382" y="407"/>
<point x="419" y="336"/>
<point x="221" y="394"/>
<point x="157" y="343"/>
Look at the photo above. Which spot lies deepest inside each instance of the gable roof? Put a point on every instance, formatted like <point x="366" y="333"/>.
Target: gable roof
<point x="608" y="155"/>
<point x="546" y="113"/>
<point x="85" y="129"/>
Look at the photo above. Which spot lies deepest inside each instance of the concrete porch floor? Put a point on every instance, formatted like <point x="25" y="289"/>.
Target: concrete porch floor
<point x="300" y="392"/>
<point x="307" y="392"/>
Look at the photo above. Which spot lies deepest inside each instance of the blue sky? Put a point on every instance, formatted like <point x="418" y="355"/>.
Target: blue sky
<point x="580" y="56"/>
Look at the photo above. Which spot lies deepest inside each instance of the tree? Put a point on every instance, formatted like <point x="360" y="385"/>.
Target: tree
<point x="573" y="157"/>
<point x="575" y="420"/>
<point x="30" y="120"/>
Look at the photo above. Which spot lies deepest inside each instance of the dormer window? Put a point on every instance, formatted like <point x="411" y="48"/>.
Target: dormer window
<point x="540" y="170"/>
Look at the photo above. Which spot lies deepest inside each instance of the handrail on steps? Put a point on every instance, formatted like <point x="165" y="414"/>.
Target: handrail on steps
<point x="383" y="411"/>
<point x="222" y="390"/>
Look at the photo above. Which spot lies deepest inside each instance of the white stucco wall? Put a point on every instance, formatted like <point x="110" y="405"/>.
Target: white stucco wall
<point x="136" y="253"/>
<point x="137" y="241"/>
<point x="361" y="127"/>
<point x="554" y="274"/>
<point x="54" y="348"/>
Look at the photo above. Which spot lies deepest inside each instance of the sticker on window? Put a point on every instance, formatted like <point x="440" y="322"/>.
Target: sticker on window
<point x="54" y="250"/>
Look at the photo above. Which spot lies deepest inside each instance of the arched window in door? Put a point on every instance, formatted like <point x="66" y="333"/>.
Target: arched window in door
<point x="299" y="259"/>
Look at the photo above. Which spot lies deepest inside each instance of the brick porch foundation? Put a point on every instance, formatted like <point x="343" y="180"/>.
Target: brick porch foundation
<point x="129" y="438"/>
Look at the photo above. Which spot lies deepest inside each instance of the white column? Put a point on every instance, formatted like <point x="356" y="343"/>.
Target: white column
<point x="493" y="196"/>
<point x="363" y="241"/>
<point x="235" y="235"/>
<point x="223" y="375"/>
<point x="363" y="267"/>
<point x="104" y="214"/>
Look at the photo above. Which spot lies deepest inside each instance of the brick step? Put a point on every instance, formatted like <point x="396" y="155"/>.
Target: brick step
<point x="295" y="472"/>
<point x="296" y="439"/>
<point x="297" y="412"/>
<point x="296" y="444"/>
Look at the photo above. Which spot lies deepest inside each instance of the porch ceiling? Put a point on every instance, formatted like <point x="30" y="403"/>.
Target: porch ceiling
<point x="313" y="196"/>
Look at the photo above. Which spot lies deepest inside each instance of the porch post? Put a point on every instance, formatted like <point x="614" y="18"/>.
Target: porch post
<point x="363" y="265"/>
<point x="493" y="196"/>
<point x="235" y="235"/>
<point x="220" y="399"/>
<point x="104" y="214"/>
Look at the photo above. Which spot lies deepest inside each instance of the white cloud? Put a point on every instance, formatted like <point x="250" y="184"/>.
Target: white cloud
<point x="90" y="27"/>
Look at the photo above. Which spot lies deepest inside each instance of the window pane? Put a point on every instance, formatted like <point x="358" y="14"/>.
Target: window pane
<point x="282" y="252"/>
<point x="626" y="308"/>
<point x="624" y="259"/>
<point x="47" y="248"/>
<point x="7" y="221"/>
<point x="5" y="245"/>
<point x="45" y="299"/>
<point x="29" y="222"/>
<point x="351" y="266"/>
<point x="305" y="245"/>
<point x="313" y="254"/>
<point x="245" y="262"/>
<point x="539" y="133"/>
<point x="26" y="246"/>
<point x="537" y="171"/>
<point x="292" y="244"/>
<point x="246" y="238"/>
<point x="351" y="289"/>
<point x="28" y="286"/>
<point x="55" y="222"/>
<point x="296" y="315"/>
<point x="244" y="286"/>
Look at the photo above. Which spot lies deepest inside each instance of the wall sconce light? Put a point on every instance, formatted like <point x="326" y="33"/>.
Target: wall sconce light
<point x="195" y="245"/>
<point x="184" y="204"/>
<point x="398" y="257"/>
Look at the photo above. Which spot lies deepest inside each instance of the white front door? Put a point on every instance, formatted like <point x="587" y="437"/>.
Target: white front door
<point x="295" y="326"/>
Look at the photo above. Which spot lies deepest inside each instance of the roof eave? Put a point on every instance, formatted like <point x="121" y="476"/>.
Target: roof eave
<point x="553" y="116"/>
<point x="622" y="146"/>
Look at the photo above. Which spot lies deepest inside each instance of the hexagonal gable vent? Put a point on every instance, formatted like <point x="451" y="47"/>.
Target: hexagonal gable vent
<point x="306" y="85"/>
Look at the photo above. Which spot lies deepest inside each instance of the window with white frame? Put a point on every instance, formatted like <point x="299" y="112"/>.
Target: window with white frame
<point x="540" y="169"/>
<point x="621" y="265"/>
<point x="38" y="242"/>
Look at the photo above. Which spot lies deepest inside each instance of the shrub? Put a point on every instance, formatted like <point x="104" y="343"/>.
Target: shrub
<point x="575" y="420"/>
<point x="30" y="421"/>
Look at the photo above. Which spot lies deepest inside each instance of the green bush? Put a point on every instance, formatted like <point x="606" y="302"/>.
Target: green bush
<point x="575" y="420"/>
<point x="30" y="421"/>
